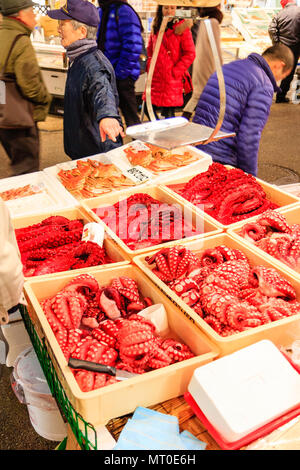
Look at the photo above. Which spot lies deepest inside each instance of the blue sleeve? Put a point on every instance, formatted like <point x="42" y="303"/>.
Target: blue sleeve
<point x="101" y="97"/>
<point x="131" y="42"/>
<point x="253" y="121"/>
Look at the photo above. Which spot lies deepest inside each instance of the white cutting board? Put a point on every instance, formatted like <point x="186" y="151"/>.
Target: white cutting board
<point x="243" y="391"/>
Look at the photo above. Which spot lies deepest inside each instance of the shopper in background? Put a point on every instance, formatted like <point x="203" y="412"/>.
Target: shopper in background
<point x="204" y="63"/>
<point x="250" y="84"/>
<point x="176" y="54"/>
<point x="285" y="28"/>
<point x="120" y="39"/>
<point x="91" y="120"/>
<point x="22" y="145"/>
<point x="11" y="268"/>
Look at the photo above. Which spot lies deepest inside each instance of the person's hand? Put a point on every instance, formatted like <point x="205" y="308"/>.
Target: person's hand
<point x="110" y="128"/>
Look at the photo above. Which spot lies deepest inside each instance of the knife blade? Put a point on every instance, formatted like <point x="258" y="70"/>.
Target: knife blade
<point x="75" y="363"/>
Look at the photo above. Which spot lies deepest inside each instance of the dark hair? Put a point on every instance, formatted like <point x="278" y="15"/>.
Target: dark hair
<point x="211" y="12"/>
<point x="280" y="52"/>
<point x="157" y="19"/>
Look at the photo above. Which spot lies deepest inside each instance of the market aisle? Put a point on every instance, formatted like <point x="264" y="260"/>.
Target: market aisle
<point x="279" y="154"/>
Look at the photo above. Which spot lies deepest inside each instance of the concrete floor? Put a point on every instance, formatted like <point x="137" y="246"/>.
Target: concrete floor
<point x="279" y="163"/>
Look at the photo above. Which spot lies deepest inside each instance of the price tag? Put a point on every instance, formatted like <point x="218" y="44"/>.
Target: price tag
<point x="93" y="232"/>
<point x="138" y="174"/>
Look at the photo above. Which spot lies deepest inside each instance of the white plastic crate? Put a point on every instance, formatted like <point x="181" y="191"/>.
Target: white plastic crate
<point x="243" y="391"/>
<point x="49" y="196"/>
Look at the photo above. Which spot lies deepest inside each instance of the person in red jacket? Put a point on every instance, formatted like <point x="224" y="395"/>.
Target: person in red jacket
<point x="176" y="54"/>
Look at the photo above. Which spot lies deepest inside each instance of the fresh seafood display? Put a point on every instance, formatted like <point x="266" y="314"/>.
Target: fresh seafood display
<point x="227" y="194"/>
<point x="92" y="178"/>
<point x="141" y="221"/>
<point x="157" y="159"/>
<point x="22" y="191"/>
<point x="272" y="233"/>
<point x="101" y="324"/>
<point x="55" y="245"/>
<point x="221" y="286"/>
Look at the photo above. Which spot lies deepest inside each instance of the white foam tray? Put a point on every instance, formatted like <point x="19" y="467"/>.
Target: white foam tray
<point x="202" y="164"/>
<point x="104" y="158"/>
<point x="119" y="158"/>
<point x="53" y="195"/>
<point x="245" y="390"/>
<point x="69" y="165"/>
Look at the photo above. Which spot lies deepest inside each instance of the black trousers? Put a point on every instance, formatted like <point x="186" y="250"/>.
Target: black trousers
<point x="166" y="112"/>
<point x="23" y="148"/>
<point x="285" y="83"/>
<point x="127" y="101"/>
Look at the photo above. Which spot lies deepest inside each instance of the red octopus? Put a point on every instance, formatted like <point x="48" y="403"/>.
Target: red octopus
<point x="225" y="290"/>
<point x="273" y="234"/>
<point x="141" y="221"/>
<point x="84" y="330"/>
<point x="228" y="195"/>
<point x="55" y="245"/>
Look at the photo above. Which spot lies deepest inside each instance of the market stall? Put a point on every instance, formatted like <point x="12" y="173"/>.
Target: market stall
<point x="206" y="343"/>
<point x="107" y="287"/>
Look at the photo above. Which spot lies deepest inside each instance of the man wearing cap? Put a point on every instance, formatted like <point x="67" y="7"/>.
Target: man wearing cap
<point x="22" y="145"/>
<point x="92" y="123"/>
<point x="285" y="28"/>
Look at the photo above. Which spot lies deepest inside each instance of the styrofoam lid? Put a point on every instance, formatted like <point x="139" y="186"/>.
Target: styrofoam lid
<point x="28" y="371"/>
<point x="241" y="392"/>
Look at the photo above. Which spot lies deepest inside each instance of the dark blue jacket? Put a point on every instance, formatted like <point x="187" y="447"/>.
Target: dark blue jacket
<point x="250" y="85"/>
<point x="90" y="96"/>
<point x="123" y="41"/>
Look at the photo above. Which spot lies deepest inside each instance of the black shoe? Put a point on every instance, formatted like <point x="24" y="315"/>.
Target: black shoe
<point x="283" y="99"/>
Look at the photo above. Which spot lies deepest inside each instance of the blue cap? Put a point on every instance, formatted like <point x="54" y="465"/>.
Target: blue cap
<point x="79" y="10"/>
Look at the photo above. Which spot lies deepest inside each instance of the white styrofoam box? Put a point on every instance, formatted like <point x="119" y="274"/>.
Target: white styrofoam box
<point x="104" y="158"/>
<point x="293" y="188"/>
<point x="49" y="196"/>
<point x="245" y="390"/>
<point x="55" y="81"/>
<point x="118" y="157"/>
<point x="71" y="164"/>
<point x="202" y="163"/>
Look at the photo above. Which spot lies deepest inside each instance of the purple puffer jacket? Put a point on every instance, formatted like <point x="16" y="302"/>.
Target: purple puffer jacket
<point x="250" y="85"/>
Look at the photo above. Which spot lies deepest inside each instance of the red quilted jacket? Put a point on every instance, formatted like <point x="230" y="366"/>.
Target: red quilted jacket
<point x="176" y="54"/>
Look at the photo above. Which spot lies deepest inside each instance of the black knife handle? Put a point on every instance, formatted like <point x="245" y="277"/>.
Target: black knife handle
<point x="91" y="366"/>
